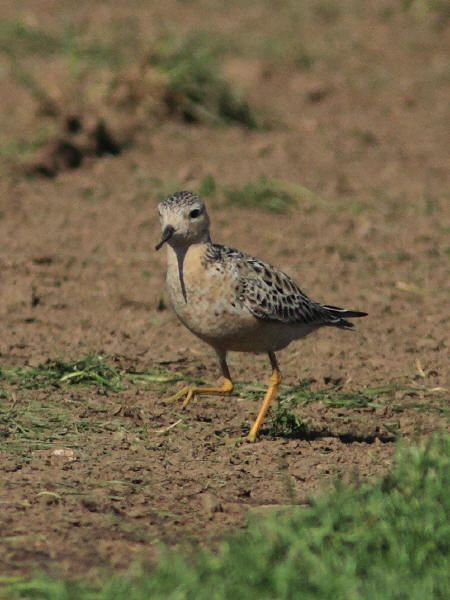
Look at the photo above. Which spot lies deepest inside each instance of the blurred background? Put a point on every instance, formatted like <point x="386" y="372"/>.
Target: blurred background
<point x="317" y="132"/>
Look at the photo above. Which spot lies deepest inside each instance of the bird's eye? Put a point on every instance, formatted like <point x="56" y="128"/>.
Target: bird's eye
<point x="194" y="213"/>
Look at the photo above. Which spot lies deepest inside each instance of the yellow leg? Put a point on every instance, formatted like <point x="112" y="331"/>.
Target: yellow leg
<point x="274" y="382"/>
<point x="191" y="392"/>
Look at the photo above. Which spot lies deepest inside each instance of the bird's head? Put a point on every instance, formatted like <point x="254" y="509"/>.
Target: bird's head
<point x="184" y="220"/>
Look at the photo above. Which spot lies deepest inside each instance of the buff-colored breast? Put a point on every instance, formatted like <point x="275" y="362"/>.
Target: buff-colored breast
<point x="203" y="295"/>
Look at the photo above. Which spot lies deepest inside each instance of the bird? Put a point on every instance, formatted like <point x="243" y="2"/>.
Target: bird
<point x="233" y="301"/>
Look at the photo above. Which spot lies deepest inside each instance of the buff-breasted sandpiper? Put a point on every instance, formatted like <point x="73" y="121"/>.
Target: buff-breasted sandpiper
<point x="231" y="300"/>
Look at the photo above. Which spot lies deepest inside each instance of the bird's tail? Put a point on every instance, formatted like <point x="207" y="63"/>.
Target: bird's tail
<point x="334" y="316"/>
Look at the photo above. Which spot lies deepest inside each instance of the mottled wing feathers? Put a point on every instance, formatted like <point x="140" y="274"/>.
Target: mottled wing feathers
<point x="271" y="295"/>
<point x="267" y="292"/>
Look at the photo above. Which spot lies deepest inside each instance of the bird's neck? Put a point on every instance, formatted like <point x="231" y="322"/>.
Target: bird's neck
<point x="176" y="254"/>
<point x="181" y="247"/>
<point x="180" y="258"/>
<point x="205" y="237"/>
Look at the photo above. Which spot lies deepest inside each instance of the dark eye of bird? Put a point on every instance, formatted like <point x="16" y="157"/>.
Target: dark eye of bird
<point x="194" y="213"/>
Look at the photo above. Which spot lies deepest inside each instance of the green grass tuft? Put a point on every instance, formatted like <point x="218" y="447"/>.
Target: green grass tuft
<point x="19" y="40"/>
<point x="284" y="422"/>
<point x="207" y="186"/>
<point x="90" y="370"/>
<point x="333" y="395"/>
<point x="386" y="540"/>
<point x="196" y="91"/>
<point x="274" y="195"/>
<point x="262" y="193"/>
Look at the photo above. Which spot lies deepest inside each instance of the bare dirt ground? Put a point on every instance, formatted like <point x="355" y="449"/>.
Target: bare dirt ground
<point x="360" y="119"/>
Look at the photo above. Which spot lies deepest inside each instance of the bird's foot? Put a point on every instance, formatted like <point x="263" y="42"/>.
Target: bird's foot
<point x="188" y="392"/>
<point x="237" y="441"/>
<point x="249" y="438"/>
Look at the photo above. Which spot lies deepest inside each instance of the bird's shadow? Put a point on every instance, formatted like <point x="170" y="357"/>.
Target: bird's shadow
<point x="309" y="435"/>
